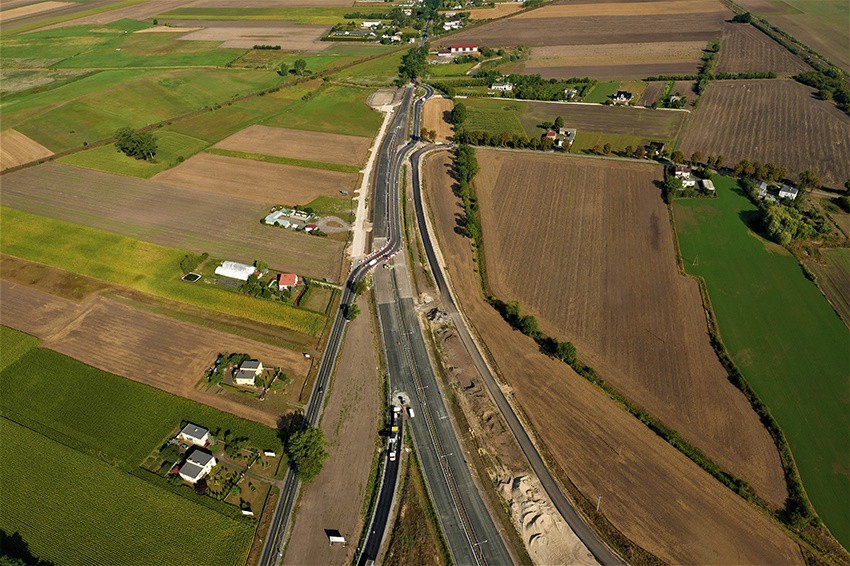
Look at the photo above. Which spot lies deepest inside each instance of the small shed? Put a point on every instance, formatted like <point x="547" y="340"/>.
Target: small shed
<point x="708" y="185"/>
<point x="235" y="270"/>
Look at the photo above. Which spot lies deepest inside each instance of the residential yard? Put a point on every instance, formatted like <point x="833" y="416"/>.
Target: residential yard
<point x="72" y="508"/>
<point x="785" y="338"/>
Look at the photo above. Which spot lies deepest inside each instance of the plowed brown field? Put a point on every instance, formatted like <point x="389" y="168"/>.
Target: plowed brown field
<point x="776" y="121"/>
<point x="744" y="48"/>
<point x="299" y="144"/>
<point x="16" y="149"/>
<point x="145" y="347"/>
<point x="437" y="117"/>
<point x="269" y="183"/>
<point x="245" y="34"/>
<point x="651" y="492"/>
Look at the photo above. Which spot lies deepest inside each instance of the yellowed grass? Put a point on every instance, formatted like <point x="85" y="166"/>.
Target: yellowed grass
<point x="616" y="54"/>
<point x="497" y="11"/>
<point x="38" y="8"/>
<point x="16" y="148"/>
<point x="626" y="9"/>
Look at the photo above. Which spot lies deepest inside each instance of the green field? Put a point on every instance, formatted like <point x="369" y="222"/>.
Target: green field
<point x="29" y="24"/>
<point x="286" y="160"/>
<point x="324" y="15"/>
<point x="136" y="264"/>
<point x="92" y="108"/>
<point x="586" y="141"/>
<point x="784" y="337"/>
<point x="44" y="48"/>
<point x="74" y="404"/>
<point x="601" y="91"/>
<point x="170" y="147"/>
<point x="336" y="109"/>
<point x="449" y="69"/>
<point x="380" y="71"/>
<point x="14" y="345"/>
<point x="494" y="116"/>
<point x="73" y="509"/>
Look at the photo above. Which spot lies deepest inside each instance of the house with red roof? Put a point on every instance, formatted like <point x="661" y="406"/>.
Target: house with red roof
<point x="286" y="281"/>
<point x="461" y="48"/>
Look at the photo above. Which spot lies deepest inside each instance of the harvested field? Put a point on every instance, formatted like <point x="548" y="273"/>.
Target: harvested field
<point x="647" y="123"/>
<point x="659" y="356"/>
<point x="765" y="121"/>
<point x="17" y="149"/>
<point x="350" y="422"/>
<point x="136" y="11"/>
<point x="437" y="117"/>
<point x="157" y="213"/>
<point x="833" y="273"/>
<point x="31" y="9"/>
<point x="498" y="11"/>
<point x="652" y="493"/>
<point x="300" y="144"/>
<point x="267" y="3"/>
<point x="246" y="34"/>
<point x="616" y="60"/>
<point x="744" y="48"/>
<point x="269" y="183"/>
<point x="120" y="339"/>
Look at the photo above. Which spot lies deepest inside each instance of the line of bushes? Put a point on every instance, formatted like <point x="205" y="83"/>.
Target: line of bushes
<point x="715" y="76"/>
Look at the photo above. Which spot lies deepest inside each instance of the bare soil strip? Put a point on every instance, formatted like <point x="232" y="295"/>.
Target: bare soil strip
<point x="16" y="149"/>
<point x="613" y="9"/>
<point x="651" y="492"/>
<point x="145" y="347"/>
<point x="300" y="144"/>
<point x="775" y="121"/>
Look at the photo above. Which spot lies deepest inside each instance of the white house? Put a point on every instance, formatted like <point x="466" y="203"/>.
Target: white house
<point x="570" y="93"/>
<point x="278" y="218"/>
<point x="788" y="192"/>
<point x="708" y="185"/>
<point x="682" y="171"/>
<point x="688" y="182"/>
<point x="194" y="434"/>
<point x="235" y="270"/>
<point x="463" y="48"/>
<point x="622" y="97"/>
<point x="248" y="372"/>
<point x="371" y="25"/>
<point x="198" y="464"/>
<point x="454" y="24"/>
<point x="762" y="190"/>
<point x="503" y="87"/>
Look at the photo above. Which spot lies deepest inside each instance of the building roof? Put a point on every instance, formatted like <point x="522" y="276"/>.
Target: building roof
<point x="288" y="279"/>
<point x="788" y="190"/>
<point x="251" y="365"/>
<point x="708" y="184"/>
<point x="463" y="46"/>
<point x="194" y="431"/>
<point x="191" y="470"/>
<point x="235" y="270"/>
<point x="624" y="93"/>
<point x="682" y="169"/>
<point x="199" y="458"/>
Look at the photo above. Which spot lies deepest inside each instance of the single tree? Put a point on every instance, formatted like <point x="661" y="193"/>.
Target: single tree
<point x="300" y="66"/>
<point x="606" y="149"/>
<point x="306" y="451"/>
<point x="696" y="157"/>
<point x="459" y="114"/>
<point x="677" y="156"/>
<point x="559" y="123"/>
<point x="351" y="312"/>
<point x="809" y="180"/>
<point x="283" y="70"/>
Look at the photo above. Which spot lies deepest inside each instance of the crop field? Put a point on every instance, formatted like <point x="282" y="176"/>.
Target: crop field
<point x="31" y="9"/>
<point x="171" y="147"/>
<point x="245" y="34"/>
<point x="99" y="13"/>
<point x="659" y="355"/>
<point x="833" y="274"/>
<point x="437" y="116"/>
<point x="261" y="182"/>
<point x="495" y="116"/>
<point x="380" y="71"/>
<point x="119" y="339"/>
<point x="14" y="345"/>
<point x="745" y="48"/>
<point x="227" y="227"/>
<point x="763" y="303"/>
<point x="72" y="509"/>
<point x="314" y="14"/>
<point x="16" y="148"/>
<point x="623" y="40"/>
<point x="651" y="492"/>
<point x="820" y="24"/>
<point x="92" y="108"/>
<point x="772" y="121"/>
<point x="300" y="144"/>
<point x="498" y="11"/>
<point x="142" y="266"/>
<point x="335" y="109"/>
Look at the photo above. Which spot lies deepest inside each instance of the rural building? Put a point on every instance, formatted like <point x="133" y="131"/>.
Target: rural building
<point x="235" y="270"/>
<point x="371" y="25"/>
<point x="708" y="185"/>
<point x="194" y="434"/>
<point x="682" y="171"/>
<point x="301" y="215"/>
<point x="248" y="372"/>
<point x="286" y="280"/>
<point x="311" y="227"/>
<point x="788" y="192"/>
<point x="504" y="87"/>
<point x="278" y="218"/>
<point x="198" y="464"/>
<point x="570" y="93"/>
<point x="454" y="24"/>
<point x="688" y="182"/>
<point x="567" y="136"/>
<point x="269" y="453"/>
<point x="762" y="190"/>
<point x="622" y="97"/>
<point x="463" y="48"/>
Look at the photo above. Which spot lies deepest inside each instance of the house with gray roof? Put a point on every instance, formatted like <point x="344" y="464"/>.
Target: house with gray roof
<point x="194" y="434"/>
<point x="197" y="465"/>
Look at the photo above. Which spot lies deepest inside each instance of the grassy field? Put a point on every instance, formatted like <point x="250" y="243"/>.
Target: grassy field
<point x="380" y="71"/>
<point x="73" y="509"/>
<point x="286" y="160"/>
<point x="170" y="147"/>
<point x="133" y="263"/>
<point x="784" y="337"/>
<point x="449" y="69"/>
<point x="602" y="91"/>
<point x="14" y="345"/>
<point x="324" y="15"/>
<point x="93" y="107"/>
<point x="44" y="48"/>
<point x="494" y="116"/>
<point x="74" y="404"/>
<point x="337" y="109"/>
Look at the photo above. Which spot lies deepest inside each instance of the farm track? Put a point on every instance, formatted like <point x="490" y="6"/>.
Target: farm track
<point x="652" y="493"/>
<point x="776" y="121"/>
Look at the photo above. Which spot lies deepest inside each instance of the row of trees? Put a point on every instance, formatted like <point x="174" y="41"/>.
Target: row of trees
<point x="299" y="67"/>
<point x="831" y="85"/>
<point x="413" y="64"/>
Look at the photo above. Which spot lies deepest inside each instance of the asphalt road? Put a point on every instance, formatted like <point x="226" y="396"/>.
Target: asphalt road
<point x="382" y="509"/>
<point x="587" y="536"/>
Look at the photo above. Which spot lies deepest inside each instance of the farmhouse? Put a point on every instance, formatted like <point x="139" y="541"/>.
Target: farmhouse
<point x="286" y="280"/>
<point x="503" y="87"/>
<point x="463" y="48"/>
<point x="248" y="372"/>
<point x="622" y="97"/>
<point x="278" y="218"/>
<point x="371" y="25"/>
<point x="235" y="270"/>
<point x="198" y="464"/>
<point x="708" y="185"/>
<point x="684" y="173"/>
<point x="788" y="192"/>
<point x="194" y="434"/>
<point x="454" y="24"/>
<point x="570" y="93"/>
